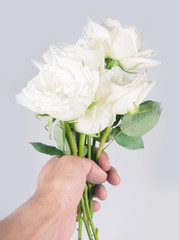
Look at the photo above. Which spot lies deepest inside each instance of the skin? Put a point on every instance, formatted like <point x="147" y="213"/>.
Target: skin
<point x="50" y="214"/>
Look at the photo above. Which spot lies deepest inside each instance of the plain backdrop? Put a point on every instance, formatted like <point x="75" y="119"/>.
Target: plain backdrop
<point x="146" y="204"/>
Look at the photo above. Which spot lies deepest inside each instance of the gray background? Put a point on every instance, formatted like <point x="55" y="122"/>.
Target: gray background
<point x="146" y="204"/>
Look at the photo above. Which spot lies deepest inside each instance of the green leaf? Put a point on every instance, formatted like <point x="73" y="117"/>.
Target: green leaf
<point x="46" y="149"/>
<point x="50" y="119"/>
<point x="60" y="137"/>
<point x="37" y="115"/>
<point x="132" y="143"/>
<point x="144" y="120"/>
<point x="92" y="105"/>
<point x="118" y="118"/>
<point x="48" y="126"/>
<point x="76" y="137"/>
<point x="85" y="150"/>
<point x="148" y="105"/>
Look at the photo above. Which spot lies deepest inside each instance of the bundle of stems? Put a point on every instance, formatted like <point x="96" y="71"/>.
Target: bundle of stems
<point x="85" y="207"/>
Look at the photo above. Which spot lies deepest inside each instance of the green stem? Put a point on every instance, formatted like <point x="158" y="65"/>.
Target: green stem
<point x="85" y="219"/>
<point x="90" y="185"/>
<point x="89" y="147"/>
<point x="79" y="212"/>
<point x="70" y="138"/>
<point x="89" y="214"/>
<point x="121" y="66"/>
<point x="80" y="222"/>
<point x="81" y="144"/>
<point x="103" y="139"/>
<point x="90" y="194"/>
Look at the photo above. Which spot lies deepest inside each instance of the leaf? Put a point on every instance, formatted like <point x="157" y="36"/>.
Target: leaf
<point x="60" y="137"/>
<point x="85" y="151"/>
<point x="118" y="118"/>
<point x="76" y="137"/>
<point x="143" y="121"/>
<point x="148" y="105"/>
<point x="132" y="143"/>
<point x="68" y="149"/>
<point x="48" y="126"/>
<point x="37" y="115"/>
<point x="46" y="149"/>
<point x="92" y="105"/>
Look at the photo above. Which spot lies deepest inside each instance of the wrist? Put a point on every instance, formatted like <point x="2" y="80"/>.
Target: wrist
<point x="35" y="219"/>
<point x="48" y="204"/>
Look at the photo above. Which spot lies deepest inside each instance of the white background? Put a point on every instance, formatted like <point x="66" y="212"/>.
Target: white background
<point x="146" y="204"/>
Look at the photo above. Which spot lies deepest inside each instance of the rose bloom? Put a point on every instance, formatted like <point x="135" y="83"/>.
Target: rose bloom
<point x="65" y="55"/>
<point x="95" y="119"/>
<point x="122" y="90"/>
<point x="65" y="94"/>
<point x="119" y="43"/>
<point x="118" y="93"/>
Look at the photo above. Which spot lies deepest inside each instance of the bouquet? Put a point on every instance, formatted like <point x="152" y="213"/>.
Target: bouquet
<point x="91" y="94"/>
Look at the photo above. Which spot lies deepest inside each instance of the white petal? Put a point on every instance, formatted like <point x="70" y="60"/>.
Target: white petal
<point x="138" y="62"/>
<point x="145" y="92"/>
<point x="111" y="24"/>
<point x="22" y="100"/>
<point x="65" y="94"/>
<point x="122" y="90"/>
<point x="74" y="55"/>
<point x="38" y="64"/>
<point x="95" y="119"/>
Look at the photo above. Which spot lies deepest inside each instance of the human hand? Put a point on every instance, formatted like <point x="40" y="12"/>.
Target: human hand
<point x="61" y="184"/>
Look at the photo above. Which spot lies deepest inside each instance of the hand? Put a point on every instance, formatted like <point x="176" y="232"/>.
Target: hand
<point x="61" y="184"/>
<point x="50" y="214"/>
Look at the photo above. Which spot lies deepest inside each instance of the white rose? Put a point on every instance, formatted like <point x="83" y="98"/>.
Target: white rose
<point x="95" y="119"/>
<point x="121" y="90"/>
<point x="65" y="55"/>
<point x="119" y="43"/>
<point x="65" y="94"/>
<point x="118" y="93"/>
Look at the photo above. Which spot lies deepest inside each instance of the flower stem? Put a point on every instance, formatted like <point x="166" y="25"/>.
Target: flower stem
<point x="80" y="229"/>
<point x="70" y="138"/>
<point x="81" y="144"/>
<point x="85" y="219"/>
<point x="90" y="185"/>
<point x="103" y="139"/>
<point x="90" y="196"/>
<point x="89" y="147"/>
<point x="80" y="222"/>
<point x="89" y="214"/>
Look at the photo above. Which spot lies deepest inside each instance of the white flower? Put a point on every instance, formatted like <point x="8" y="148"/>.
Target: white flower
<point x="118" y="92"/>
<point x="95" y="119"/>
<point x="119" y="43"/>
<point x="65" y="94"/>
<point x="65" y="55"/>
<point x="121" y="90"/>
